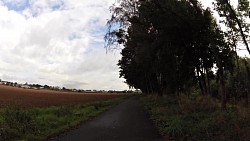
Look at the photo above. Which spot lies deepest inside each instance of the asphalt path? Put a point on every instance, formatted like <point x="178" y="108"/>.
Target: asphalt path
<point x="127" y="121"/>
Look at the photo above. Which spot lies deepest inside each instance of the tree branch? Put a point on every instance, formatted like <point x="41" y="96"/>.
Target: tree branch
<point x="239" y="24"/>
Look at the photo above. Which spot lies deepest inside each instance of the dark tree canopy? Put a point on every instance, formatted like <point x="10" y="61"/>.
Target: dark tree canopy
<point x="169" y="46"/>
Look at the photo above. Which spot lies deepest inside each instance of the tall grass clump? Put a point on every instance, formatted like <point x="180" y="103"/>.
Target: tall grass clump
<point x="197" y="118"/>
<point x="16" y="122"/>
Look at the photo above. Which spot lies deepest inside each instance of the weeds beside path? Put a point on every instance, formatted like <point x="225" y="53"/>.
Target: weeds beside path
<point x="197" y="119"/>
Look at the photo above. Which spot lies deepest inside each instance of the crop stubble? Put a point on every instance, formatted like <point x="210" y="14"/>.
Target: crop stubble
<point x="12" y="96"/>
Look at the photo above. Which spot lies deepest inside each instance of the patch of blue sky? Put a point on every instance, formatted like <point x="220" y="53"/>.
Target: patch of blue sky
<point x="58" y="6"/>
<point x="17" y="6"/>
<point x="74" y="36"/>
<point x="100" y="30"/>
<point x="97" y="44"/>
<point x="94" y="21"/>
<point x="98" y="33"/>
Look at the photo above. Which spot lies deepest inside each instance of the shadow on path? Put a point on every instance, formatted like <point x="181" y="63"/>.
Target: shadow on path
<point x="126" y="122"/>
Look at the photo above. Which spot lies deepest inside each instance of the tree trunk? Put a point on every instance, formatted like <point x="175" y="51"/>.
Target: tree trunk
<point x="200" y="80"/>
<point x="208" y="83"/>
<point x="160" y="92"/>
<point x="159" y="80"/>
<point x="222" y="90"/>
<point x="248" y="76"/>
<point x="204" y="82"/>
<point x="201" y="87"/>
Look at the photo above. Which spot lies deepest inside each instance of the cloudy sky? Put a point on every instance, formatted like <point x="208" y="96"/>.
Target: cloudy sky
<point x="58" y="42"/>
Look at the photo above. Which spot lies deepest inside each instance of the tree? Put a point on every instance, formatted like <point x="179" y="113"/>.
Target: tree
<point x="145" y="39"/>
<point x="238" y="82"/>
<point x="235" y="21"/>
<point x="168" y="45"/>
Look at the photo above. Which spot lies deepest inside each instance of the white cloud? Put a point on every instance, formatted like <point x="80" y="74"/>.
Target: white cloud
<point x="57" y="42"/>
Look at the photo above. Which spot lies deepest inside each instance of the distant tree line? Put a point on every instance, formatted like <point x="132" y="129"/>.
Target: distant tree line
<point x="57" y="88"/>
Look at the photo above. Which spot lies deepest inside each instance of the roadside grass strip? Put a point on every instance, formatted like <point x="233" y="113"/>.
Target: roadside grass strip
<point x="197" y="119"/>
<point x="37" y="124"/>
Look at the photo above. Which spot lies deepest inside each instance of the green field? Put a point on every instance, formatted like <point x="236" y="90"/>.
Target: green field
<point x="34" y="124"/>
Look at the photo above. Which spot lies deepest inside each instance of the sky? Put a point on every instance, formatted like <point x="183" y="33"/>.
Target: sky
<point x="58" y="43"/>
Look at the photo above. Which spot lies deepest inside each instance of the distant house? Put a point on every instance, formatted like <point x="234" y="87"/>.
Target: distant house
<point x="25" y="86"/>
<point x="138" y="91"/>
<point x="4" y="83"/>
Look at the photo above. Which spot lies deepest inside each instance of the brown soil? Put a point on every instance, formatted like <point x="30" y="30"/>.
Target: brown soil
<point x="12" y="96"/>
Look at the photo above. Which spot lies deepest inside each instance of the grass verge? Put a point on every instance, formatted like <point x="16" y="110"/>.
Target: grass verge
<point x="40" y="123"/>
<point x="197" y="119"/>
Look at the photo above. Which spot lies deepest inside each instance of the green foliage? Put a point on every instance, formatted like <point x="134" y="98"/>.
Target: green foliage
<point x="235" y="19"/>
<point x="238" y="82"/>
<point x="159" y="57"/>
<point x="197" y="119"/>
<point x="17" y="122"/>
<point x="40" y="123"/>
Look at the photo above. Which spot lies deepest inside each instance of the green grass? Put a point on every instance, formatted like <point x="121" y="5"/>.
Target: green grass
<point x="41" y="123"/>
<point x="197" y="119"/>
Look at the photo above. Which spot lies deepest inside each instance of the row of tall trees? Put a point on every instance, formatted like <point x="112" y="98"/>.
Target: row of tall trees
<point x="172" y="46"/>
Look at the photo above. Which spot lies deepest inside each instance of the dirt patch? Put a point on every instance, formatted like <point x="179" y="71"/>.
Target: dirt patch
<point x="10" y="96"/>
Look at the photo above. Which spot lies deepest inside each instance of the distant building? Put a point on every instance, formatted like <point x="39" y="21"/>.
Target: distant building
<point x="4" y="83"/>
<point x="25" y="86"/>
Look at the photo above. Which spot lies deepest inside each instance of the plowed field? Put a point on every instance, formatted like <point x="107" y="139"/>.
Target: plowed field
<point x="10" y="96"/>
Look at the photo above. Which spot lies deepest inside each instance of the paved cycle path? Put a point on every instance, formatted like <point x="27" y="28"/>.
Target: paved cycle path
<point x="126" y="122"/>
